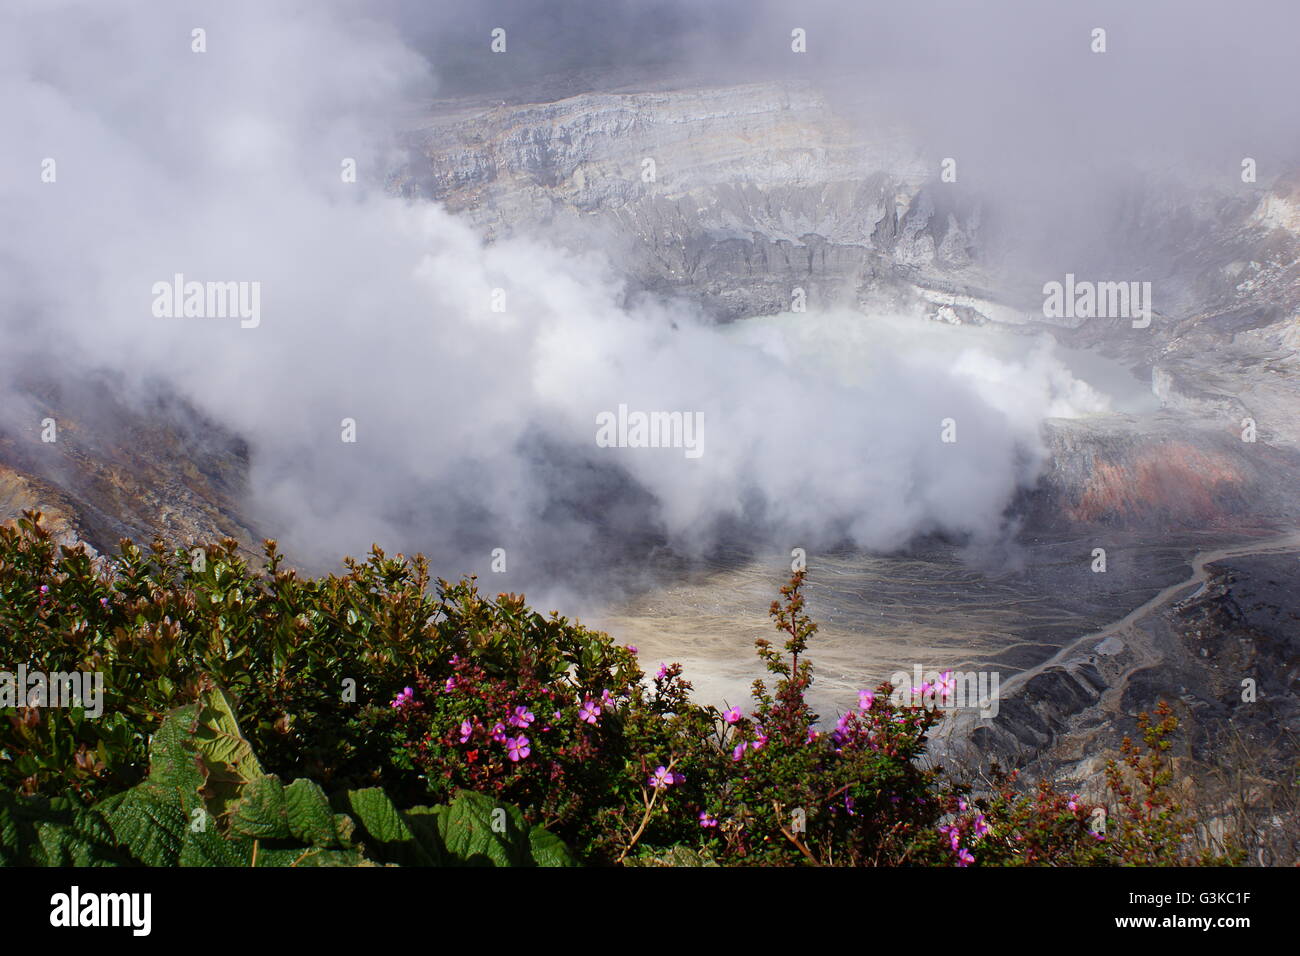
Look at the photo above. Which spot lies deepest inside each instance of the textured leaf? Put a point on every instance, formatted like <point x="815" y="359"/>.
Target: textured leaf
<point x="228" y="757"/>
<point x="172" y="759"/>
<point x="149" y="822"/>
<point x="262" y="812"/>
<point x="310" y="818"/>
<point x="477" y="831"/>
<point x="385" y="834"/>
<point x="59" y="832"/>
<point x="209" y="847"/>
<point x="549" y="850"/>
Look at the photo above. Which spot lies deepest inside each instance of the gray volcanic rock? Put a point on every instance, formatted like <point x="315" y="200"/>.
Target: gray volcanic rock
<point x="756" y="189"/>
<point x="1226" y="657"/>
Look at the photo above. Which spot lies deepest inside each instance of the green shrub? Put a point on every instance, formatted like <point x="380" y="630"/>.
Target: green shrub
<point x="379" y="692"/>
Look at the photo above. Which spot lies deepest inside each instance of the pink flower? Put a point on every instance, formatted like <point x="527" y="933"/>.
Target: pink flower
<point x="522" y="717"/>
<point x="606" y="698"/>
<point x="663" y="672"/>
<point x="405" y="697"/>
<point x="707" y="819"/>
<point x="517" y="748"/>
<point x="732" y="716"/>
<point x="953" y="833"/>
<point x="739" y="751"/>
<point x="632" y="648"/>
<point x="663" y="777"/>
<point x="947" y="684"/>
<point x="1073" y="805"/>
<point x="964" y="857"/>
<point x="589" y="711"/>
<point x="466" y="731"/>
<point x="450" y="685"/>
<point x="865" y="699"/>
<point x="499" y="733"/>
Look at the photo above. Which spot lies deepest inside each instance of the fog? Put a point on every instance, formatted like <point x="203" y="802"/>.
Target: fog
<point x="475" y="429"/>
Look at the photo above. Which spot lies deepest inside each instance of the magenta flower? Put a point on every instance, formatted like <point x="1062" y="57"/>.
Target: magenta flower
<point x="865" y="699"/>
<point x="45" y="589"/>
<point x="499" y="733"/>
<point x="663" y="777"/>
<point x="663" y="672"/>
<point x="707" y="819"/>
<point x="953" y="833"/>
<point x="732" y="716"/>
<point x="405" y="697"/>
<point x="450" y="685"/>
<point x="1073" y="805"/>
<point x="739" y="751"/>
<point x="466" y="730"/>
<point x="762" y="739"/>
<point x="589" y="711"/>
<point x="517" y="748"/>
<point x="632" y="648"/>
<point x="964" y="857"/>
<point x="522" y="717"/>
<point x="606" y="698"/>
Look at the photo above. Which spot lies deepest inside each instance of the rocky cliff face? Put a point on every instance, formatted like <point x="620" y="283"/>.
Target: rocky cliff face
<point x="733" y="196"/>
<point x="120" y="469"/>
<point x="1224" y="656"/>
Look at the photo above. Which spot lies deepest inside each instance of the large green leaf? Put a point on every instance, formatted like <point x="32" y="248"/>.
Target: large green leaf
<point x="549" y="850"/>
<point x="475" y="830"/>
<point x="58" y="832"/>
<point x="227" y="756"/>
<point x="172" y="760"/>
<point x="269" y="810"/>
<point x="149" y="822"/>
<point x="261" y="812"/>
<point x="384" y="832"/>
<point x="310" y="818"/>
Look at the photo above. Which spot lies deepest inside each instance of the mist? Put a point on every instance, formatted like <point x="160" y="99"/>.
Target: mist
<point x="475" y="428"/>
